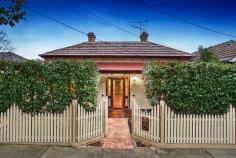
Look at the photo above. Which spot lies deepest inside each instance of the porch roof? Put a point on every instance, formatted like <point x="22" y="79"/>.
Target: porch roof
<point x="120" y="67"/>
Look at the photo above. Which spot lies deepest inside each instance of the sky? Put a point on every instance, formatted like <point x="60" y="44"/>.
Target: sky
<point x="36" y="34"/>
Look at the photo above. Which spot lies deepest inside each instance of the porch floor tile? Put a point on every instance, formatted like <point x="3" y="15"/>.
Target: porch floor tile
<point x="118" y="136"/>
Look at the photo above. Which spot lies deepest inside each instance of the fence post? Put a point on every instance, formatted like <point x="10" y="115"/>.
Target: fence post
<point x="74" y="119"/>
<point x="106" y="115"/>
<point x="162" y="121"/>
<point x="132" y="112"/>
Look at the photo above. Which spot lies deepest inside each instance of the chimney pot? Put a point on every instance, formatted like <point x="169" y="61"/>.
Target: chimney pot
<point x="91" y="37"/>
<point x="144" y="36"/>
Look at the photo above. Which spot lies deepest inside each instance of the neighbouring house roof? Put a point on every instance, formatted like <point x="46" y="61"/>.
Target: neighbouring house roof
<point x="226" y="51"/>
<point x="9" y="56"/>
<point x="117" y="49"/>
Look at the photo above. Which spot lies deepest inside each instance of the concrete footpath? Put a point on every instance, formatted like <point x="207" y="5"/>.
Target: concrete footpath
<point x="34" y="151"/>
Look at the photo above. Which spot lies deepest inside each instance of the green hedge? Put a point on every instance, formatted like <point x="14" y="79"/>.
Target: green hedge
<point x="37" y="87"/>
<point x="8" y="85"/>
<point x="200" y="88"/>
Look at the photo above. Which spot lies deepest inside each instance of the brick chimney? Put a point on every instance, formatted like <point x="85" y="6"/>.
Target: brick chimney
<point x="91" y="37"/>
<point x="144" y="36"/>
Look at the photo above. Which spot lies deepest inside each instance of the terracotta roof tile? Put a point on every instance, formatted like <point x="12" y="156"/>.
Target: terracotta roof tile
<point x="144" y="49"/>
<point x="225" y="51"/>
<point x="9" y="56"/>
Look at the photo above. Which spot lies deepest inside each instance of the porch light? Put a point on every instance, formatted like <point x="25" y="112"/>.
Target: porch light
<point x="134" y="78"/>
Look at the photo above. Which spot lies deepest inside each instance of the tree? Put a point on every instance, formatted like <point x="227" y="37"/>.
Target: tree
<point x="11" y="12"/>
<point x="4" y="42"/>
<point x="206" y="55"/>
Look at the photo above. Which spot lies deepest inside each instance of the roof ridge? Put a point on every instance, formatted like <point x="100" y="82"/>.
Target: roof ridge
<point x="230" y="41"/>
<point x="170" y="47"/>
<point x="113" y="47"/>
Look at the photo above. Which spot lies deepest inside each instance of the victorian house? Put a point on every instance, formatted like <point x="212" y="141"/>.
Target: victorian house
<point x="120" y="65"/>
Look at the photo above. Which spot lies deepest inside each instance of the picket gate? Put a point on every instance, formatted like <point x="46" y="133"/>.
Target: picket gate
<point x="151" y="116"/>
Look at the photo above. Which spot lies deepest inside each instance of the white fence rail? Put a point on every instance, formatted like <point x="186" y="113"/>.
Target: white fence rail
<point x="189" y="128"/>
<point x="74" y="125"/>
<point x="150" y="118"/>
<point x="162" y="127"/>
<point x="18" y="127"/>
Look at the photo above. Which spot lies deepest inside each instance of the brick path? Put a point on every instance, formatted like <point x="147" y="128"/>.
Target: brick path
<point x="118" y="136"/>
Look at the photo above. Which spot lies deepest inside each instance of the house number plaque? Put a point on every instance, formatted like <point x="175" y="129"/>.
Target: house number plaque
<point x="145" y="123"/>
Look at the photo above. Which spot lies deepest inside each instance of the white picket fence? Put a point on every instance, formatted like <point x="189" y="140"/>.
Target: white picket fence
<point x="189" y="128"/>
<point x="18" y="127"/>
<point x="169" y="129"/>
<point x="153" y="116"/>
<point x="90" y="123"/>
<point x="74" y="125"/>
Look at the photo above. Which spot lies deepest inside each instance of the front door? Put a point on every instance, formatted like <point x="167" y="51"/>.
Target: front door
<point x="118" y="93"/>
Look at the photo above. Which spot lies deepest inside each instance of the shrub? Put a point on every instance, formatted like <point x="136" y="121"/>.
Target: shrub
<point x="58" y="76"/>
<point x="37" y="87"/>
<point x="207" y="56"/>
<point x="86" y="80"/>
<point x="31" y="87"/>
<point x="8" y="83"/>
<point x="192" y="87"/>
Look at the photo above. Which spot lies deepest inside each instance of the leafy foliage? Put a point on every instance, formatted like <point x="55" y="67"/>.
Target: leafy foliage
<point x="4" y="42"/>
<point x="38" y="87"/>
<point x="86" y="79"/>
<point x="207" y="56"/>
<point x="31" y="87"/>
<point x="11" y="12"/>
<point x="58" y="76"/>
<point x="201" y="88"/>
<point x="7" y="85"/>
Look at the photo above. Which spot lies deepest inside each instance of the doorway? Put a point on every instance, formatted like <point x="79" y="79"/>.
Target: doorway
<point x="118" y="91"/>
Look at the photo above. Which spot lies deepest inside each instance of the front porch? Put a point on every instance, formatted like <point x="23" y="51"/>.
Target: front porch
<point x="119" y="88"/>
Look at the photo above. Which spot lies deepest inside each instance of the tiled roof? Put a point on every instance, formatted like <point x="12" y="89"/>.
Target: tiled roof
<point x="9" y="56"/>
<point x="118" y="49"/>
<point x="225" y="51"/>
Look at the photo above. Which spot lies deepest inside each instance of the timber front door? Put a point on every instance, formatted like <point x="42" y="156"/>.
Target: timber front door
<point x="117" y="90"/>
<point x="118" y="93"/>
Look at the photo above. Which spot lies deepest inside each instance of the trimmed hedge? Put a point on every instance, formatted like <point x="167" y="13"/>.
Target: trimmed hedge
<point x="37" y="87"/>
<point x="8" y="85"/>
<point x="200" y="88"/>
